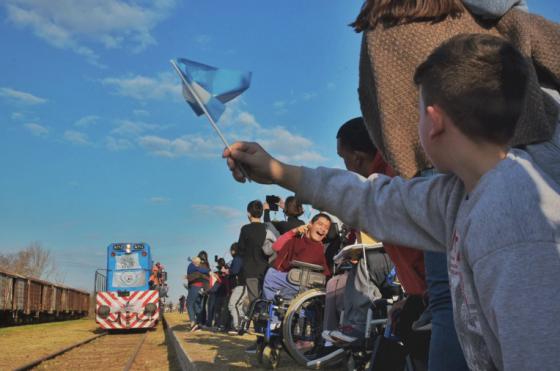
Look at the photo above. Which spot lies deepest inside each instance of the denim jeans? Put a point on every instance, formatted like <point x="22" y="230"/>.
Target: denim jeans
<point x="277" y="282"/>
<point x="445" y="351"/>
<point x="194" y="303"/>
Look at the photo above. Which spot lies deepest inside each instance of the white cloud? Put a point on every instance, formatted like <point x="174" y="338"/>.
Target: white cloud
<point x="248" y="119"/>
<point x="36" y="129"/>
<point x="141" y="112"/>
<point x="163" y="86"/>
<point x="76" y="137"/>
<point x="17" y="116"/>
<point x="86" y="121"/>
<point x="117" y="144"/>
<point x="158" y="200"/>
<point x="68" y="24"/>
<point x="133" y="128"/>
<point x="218" y="210"/>
<point x="236" y="124"/>
<point x="188" y="145"/>
<point x="20" y="96"/>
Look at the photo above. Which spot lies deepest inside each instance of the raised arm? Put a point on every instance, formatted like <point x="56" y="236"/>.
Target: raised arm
<point x="410" y="213"/>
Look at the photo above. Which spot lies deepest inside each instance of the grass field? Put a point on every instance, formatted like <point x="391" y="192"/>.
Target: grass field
<point x="22" y="344"/>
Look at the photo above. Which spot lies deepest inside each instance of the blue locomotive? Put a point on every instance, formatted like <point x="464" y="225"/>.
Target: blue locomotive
<point x="129" y="299"/>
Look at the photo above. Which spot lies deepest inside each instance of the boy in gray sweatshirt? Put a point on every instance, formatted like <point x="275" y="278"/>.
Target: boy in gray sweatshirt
<point x="493" y="210"/>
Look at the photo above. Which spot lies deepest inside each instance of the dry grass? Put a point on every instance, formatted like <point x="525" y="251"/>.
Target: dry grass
<point x="23" y="344"/>
<point x="216" y="351"/>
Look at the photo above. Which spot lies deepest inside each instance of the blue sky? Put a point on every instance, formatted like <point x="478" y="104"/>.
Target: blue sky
<point x="97" y="144"/>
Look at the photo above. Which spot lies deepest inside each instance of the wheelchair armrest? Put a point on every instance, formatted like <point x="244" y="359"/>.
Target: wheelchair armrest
<point x="303" y="265"/>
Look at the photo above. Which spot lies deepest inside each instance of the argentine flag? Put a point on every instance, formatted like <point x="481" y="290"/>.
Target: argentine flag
<point x="207" y="88"/>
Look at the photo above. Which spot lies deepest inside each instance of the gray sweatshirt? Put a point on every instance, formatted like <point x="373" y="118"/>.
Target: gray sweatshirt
<point x="502" y="242"/>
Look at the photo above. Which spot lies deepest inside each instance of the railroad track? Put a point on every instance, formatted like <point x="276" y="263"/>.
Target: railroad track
<point x="104" y="351"/>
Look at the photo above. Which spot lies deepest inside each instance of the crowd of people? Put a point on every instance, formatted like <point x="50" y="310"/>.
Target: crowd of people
<point x="454" y="167"/>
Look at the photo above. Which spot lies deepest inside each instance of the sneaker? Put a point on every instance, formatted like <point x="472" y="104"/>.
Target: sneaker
<point x="233" y="332"/>
<point x="327" y="336"/>
<point x="424" y="323"/>
<point x="196" y="327"/>
<point x="275" y="326"/>
<point x="346" y="334"/>
<point x="251" y="349"/>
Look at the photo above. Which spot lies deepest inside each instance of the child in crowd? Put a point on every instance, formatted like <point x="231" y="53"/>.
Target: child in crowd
<point x="493" y="210"/>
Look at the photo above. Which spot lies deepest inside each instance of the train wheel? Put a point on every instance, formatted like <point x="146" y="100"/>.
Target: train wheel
<point x="271" y="357"/>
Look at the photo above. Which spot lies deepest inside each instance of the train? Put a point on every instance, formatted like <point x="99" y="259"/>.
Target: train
<point x="29" y="300"/>
<point x="125" y="296"/>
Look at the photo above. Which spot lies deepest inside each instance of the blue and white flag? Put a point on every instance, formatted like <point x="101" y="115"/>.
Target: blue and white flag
<point x="212" y="86"/>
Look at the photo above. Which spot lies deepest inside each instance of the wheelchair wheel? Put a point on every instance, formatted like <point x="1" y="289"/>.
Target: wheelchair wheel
<point x="270" y="357"/>
<point x="303" y="324"/>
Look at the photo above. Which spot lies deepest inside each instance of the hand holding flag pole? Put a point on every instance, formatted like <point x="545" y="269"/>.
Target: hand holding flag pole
<point x="200" y="96"/>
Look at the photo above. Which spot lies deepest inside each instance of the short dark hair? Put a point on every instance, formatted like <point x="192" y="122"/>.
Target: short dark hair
<point x="293" y="206"/>
<point x="234" y="247"/>
<point x="321" y="215"/>
<point x="480" y="82"/>
<point x="353" y="135"/>
<point x="255" y="208"/>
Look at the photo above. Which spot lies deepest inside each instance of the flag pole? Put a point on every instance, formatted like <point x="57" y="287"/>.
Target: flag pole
<point x="207" y="114"/>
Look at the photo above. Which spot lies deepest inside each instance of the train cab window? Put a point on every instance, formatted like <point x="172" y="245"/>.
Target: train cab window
<point x="117" y="247"/>
<point x="138" y="246"/>
<point x="128" y="261"/>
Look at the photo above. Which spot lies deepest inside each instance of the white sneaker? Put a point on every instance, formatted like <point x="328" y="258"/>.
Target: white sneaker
<point x="327" y="336"/>
<point x="338" y="337"/>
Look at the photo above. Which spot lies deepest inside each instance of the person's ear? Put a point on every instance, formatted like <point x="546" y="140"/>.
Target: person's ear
<point x="438" y="120"/>
<point x="358" y="158"/>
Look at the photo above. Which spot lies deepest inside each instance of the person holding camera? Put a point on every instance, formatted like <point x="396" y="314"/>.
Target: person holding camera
<point x="292" y="209"/>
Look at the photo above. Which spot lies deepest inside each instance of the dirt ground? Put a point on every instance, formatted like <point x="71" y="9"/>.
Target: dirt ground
<point x="217" y="351"/>
<point x="22" y="344"/>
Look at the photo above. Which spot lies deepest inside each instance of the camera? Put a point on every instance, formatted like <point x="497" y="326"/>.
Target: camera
<point x="272" y="202"/>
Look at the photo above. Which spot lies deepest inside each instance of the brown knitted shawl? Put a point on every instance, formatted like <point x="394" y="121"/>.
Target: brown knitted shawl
<point x="389" y="98"/>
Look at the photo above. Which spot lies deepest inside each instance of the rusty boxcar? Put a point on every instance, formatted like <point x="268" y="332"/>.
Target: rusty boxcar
<point x="27" y="300"/>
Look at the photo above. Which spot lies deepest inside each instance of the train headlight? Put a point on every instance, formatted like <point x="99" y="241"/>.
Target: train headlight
<point x="150" y="309"/>
<point x="103" y="311"/>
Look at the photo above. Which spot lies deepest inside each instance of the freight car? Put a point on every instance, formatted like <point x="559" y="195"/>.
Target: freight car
<point x="27" y="300"/>
<point x="127" y="300"/>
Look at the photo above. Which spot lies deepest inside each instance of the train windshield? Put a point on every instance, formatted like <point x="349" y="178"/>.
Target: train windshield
<point x="128" y="261"/>
<point x="128" y="271"/>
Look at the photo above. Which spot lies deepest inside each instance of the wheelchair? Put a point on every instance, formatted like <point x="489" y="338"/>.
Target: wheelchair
<point x="293" y="324"/>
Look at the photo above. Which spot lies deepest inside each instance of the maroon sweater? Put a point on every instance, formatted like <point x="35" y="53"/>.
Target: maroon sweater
<point x="290" y="247"/>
